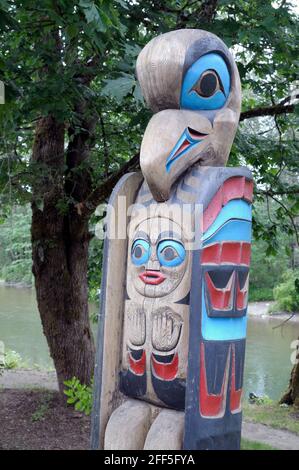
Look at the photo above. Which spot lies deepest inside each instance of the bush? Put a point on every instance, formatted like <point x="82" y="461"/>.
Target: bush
<point x="80" y="396"/>
<point x="12" y="360"/>
<point x="263" y="400"/>
<point x="286" y="294"/>
<point x="258" y="294"/>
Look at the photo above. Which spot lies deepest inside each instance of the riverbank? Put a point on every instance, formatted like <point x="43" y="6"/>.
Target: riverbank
<point x="17" y="285"/>
<point x="261" y="310"/>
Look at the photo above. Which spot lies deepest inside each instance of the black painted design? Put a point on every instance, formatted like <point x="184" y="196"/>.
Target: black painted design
<point x="170" y="392"/>
<point x="216" y="353"/>
<point x="220" y="277"/>
<point x="185" y="300"/>
<point x="134" y="386"/>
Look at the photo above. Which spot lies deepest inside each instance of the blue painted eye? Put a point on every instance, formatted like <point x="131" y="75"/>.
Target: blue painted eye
<point x="171" y="253"/>
<point x="141" y="252"/>
<point x="206" y="84"/>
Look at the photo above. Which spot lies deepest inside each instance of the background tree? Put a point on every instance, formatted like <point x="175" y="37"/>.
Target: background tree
<point x="74" y="117"/>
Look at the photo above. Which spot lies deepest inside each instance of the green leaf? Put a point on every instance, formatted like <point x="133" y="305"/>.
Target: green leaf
<point x="120" y="87"/>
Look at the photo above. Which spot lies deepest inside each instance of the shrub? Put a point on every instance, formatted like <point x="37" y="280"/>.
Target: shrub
<point x="80" y="396"/>
<point x="257" y="294"/>
<point x="12" y="360"/>
<point x="286" y="294"/>
<point x="263" y="400"/>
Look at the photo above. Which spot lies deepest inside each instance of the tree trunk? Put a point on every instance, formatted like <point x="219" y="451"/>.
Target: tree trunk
<point x="60" y="240"/>
<point x="291" y="397"/>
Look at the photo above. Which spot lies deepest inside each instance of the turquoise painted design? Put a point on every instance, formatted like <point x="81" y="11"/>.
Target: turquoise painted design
<point x="175" y="153"/>
<point x="190" y="99"/>
<point x="240" y="210"/>
<point x="221" y="329"/>
<point x="141" y="252"/>
<point x="233" y="230"/>
<point x="171" y="253"/>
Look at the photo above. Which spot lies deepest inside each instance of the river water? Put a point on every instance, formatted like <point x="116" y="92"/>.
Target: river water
<point x="268" y="351"/>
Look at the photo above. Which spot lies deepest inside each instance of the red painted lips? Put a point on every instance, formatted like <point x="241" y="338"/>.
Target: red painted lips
<point x="152" y="277"/>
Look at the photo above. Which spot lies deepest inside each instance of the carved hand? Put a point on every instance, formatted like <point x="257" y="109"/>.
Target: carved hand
<point x="166" y="331"/>
<point x="136" y="327"/>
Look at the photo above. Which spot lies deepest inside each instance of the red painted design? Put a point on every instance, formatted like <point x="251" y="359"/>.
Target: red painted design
<point x="242" y="295"/>
<point x="166" y="371"/>
<point x="212" y="210"/>
<point x="152" y="277"/>
<point x="212" y="254"/>
<point x="221" y="299"/>
<point x="231" y="253"/>
<point x="183" y="147"/>
<point x="248" y="191"/>
<point x="233" y="188"/>
<point x="236" y="187"/>
<point x="210" y="405"/>
<point x="227" y="253"/>
<point x="235" y="395"/>
<point x="137" y="366"/>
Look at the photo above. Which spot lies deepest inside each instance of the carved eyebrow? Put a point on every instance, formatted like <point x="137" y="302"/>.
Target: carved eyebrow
<point x="141" y="235"/>
<point x="169" y="235"/>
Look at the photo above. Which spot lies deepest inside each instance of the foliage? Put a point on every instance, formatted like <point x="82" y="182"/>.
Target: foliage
<point x="286" y="293"/>
<point x="40" y="413"/>
<point x="260" y="294"/>
<point x="94" y="269"/>
<point x="15" y="246"/>
<point x="12" y="359"/>
<point x="264" y="400"/>
<point x="269" y="262"/>
<point x="80" y="396"/>
<point x="94" y="317"/>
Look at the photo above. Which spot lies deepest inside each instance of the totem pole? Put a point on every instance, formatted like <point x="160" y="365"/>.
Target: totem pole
<point x="172" y="326"/>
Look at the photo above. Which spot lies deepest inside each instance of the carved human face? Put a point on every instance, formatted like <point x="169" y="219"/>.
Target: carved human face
<point x="158" y="257"/>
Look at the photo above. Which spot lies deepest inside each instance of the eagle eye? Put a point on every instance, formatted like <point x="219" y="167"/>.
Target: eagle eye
<point x="208" y="83"/>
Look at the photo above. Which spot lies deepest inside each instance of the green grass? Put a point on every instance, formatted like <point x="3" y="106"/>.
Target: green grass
<point x="254" y="445"/>
<point x="273" y="415"/>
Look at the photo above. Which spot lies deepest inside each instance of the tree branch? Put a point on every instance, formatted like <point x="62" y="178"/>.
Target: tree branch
<point x="273" y="110"/>
<point x="278" y="193"/>
<point x="103" y="191"/>
<point x="289" y="214"/>
<point x="204" y="14"/>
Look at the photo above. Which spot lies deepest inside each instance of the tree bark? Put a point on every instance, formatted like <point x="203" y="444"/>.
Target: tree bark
<point x="60" y="240"/>
<point x="291" y="396"/>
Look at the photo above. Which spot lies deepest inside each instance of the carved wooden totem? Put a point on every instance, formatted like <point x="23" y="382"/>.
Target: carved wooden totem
<point x="172" y="326"/>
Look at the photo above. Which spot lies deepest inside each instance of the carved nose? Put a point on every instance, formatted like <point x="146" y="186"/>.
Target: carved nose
<point x="153" y="265"/>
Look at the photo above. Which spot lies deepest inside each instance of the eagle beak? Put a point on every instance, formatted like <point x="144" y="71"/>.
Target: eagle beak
<point x="173" y="141"/>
